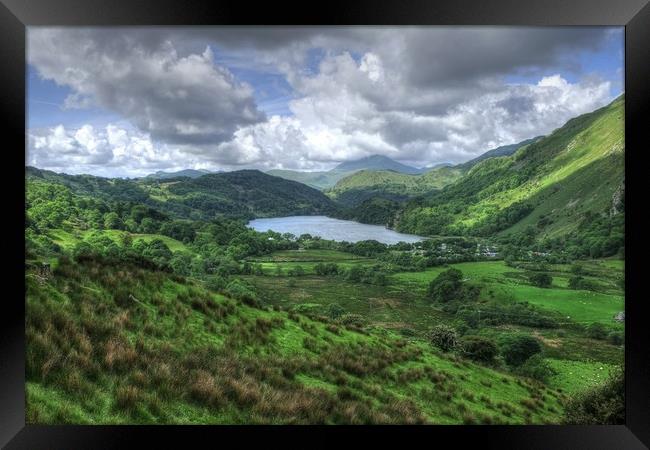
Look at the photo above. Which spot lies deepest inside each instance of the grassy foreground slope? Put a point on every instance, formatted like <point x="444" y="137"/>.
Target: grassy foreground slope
<point x="557" y="183"/>
<point x="125" y="344"/>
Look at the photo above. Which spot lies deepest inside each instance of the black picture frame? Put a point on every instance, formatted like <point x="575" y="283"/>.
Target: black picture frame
<point x="16" y="15"/>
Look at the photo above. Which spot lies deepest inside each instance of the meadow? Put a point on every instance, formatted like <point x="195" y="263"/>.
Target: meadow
<point x="402" y="305"/>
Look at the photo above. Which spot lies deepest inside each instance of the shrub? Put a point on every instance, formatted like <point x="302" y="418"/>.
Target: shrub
<point x="355" y="320"/>
<point x="215" y="283"/>
<point x="616" y="338"/>
<point x="597" y="331"/>
<point x="602" y="405"/>
<point x="478" y="348"/>
<point x="536" y="367"/>
<point x="296" y="271"/>
<point x="517" y="348"/>
<point x="334" y="310"/>
<point x="542" y="280"/>
<point x="239" y="290"/>
<point x="577" y="269"/>
<point x="579" y="282"/>
<point x="443" y="337"/>
<point x="446" y="285"/>
<point x="326" y="269"/>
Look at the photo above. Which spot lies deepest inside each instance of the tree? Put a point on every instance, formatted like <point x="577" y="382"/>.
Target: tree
<point x="444" y="337"/>
<point x="577" y="269"/>
<point x="446" y="285"/>
<point x="334" y="310"/>
<point x="602" y="405"/>
<point x="541" y="279"/>
<point x="126" y="240"/>
<point x="576" y="282"/>
<point x="112" y="221"/>
<point x="517" y="348"/>
<point x="148" y="226"/>
<point x="478" y="348"/>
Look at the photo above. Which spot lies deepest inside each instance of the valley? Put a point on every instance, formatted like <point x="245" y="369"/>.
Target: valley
<point x="489" y="292"/>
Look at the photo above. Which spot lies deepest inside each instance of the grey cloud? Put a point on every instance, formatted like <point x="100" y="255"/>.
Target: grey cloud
<point x="516" y="105"/>
<point x="177" y="99"/>
<point x="430" y="95"/>
<point x="453" y="56"/>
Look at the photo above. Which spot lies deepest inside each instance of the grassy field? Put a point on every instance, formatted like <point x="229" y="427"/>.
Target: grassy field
<point x="402" y="305"/>
<point x="142" y="348"/>
<point x="510" y="284"/>
<point x="505" y="283"/>
<point x="572" y="376"/>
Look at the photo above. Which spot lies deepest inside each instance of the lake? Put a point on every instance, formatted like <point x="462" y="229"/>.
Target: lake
<point x="332" y="229"/>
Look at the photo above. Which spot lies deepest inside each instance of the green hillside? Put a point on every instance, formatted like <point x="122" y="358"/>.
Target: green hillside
<point x="365" y="184"/>
<point x="569" y="180"/>
<point x="124" y="344"/>
<point x="504" y="150"/>
<point x="150" y="301"/>
<point x="318" y="180"/>
<point x="243" y="194"/>
<point x="327" y="179"/>
<point x="361" y="191"/>
<point x="190" y="173"/>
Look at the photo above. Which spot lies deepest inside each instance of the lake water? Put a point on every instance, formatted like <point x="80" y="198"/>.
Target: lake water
<point x="332" y="229"/>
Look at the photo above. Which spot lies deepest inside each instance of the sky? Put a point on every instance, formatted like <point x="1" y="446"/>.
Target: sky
<point x="126" y="102"/>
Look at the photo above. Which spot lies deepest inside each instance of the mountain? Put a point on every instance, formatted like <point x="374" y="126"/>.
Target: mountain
<point x="365" y="184"/>
<point x="243" y="194"/>
<point x="191" y="173"/>
<point x="376" y="162"/>
<point x="357" y="187"/>
<point x="504" y="150"/>
<point x="327" y="179"/>
<point x="569" y="181"/>
<point x="317" y="180"/>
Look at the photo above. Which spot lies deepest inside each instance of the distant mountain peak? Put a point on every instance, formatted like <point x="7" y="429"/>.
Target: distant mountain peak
<point x="376" y="162"/>
<point x="191" y="173"/>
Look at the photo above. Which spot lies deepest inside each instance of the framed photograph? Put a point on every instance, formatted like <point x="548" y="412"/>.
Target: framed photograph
<point x="384" y="218"/>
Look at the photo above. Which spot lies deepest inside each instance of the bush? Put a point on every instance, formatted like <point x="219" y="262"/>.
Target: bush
<point x="616" y="338"/>
<point x="326" y="269"/>
<point x="597" y="331"/>
<point x="579" y="282"/>
<point x="355" y="320"/>
<point x="478" y="348"/>
<point x="296" y="271"/>
<point x="536" y="367"/>
<point x="602" y="405"/>
<point x="517" y="348"/>
<point x="443" y="337"/>
<point x="215" y="283"/>
<point x="446" y="285"/>
<point x="578" y="269"/>
<point x="239" y="290"/>
<point x="334" y="310"/>
<point x="542" y="280"/>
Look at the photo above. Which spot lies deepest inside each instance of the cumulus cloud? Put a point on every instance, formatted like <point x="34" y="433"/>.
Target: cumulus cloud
<point x="109" y="150"/>
<point x="177" y="99"/>
<point x="420" y="95"/>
